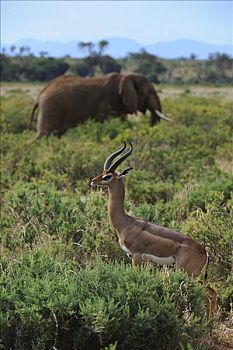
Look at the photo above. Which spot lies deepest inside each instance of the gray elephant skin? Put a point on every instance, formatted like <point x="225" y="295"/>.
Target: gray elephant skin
<point x="68" y="100"/>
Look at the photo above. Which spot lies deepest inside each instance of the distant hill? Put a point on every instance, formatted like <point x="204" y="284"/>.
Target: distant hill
<point x="120" y="47"/>
<point x="186" y="47"/>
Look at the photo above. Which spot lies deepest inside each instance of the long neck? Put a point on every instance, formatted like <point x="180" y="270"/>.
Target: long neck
<point x="116" y="212"/>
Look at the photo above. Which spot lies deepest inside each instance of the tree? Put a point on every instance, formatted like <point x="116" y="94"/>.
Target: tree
<point x="108" y="65"/>
<point x="43" y="53"/>
<point x="148" y="64"/>
<point x="21" y="50"/>
<point x="102" y="44"/>
<point x="88" y="65"/>
<point x="12" y="49"/>
<point x="218" y="68"/>
<point x="193" y="56"/>
<point x="86" y="45"/>
<point x="83" y="68"/>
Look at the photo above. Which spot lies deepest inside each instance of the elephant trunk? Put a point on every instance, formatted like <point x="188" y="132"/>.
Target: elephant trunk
<point x="154" y="105"/>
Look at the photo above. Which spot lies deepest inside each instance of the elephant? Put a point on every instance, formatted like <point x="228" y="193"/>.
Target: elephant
<point x="68" y="100"/>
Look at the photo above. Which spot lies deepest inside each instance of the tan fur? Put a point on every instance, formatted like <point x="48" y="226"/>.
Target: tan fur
<point x="142" y="237"/>
<point x="211" y="304"/>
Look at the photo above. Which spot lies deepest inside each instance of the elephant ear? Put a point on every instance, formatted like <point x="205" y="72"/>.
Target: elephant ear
<point x="129" y="94"/>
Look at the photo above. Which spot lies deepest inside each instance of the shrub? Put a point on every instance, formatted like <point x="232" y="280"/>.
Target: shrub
<point x="214" y="227"/>
<point x="31" y="68"/>
<point x="48" y="301"/>
<point x="15" y="113"/>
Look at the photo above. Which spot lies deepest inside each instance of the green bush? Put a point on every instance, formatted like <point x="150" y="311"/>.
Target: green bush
<point x="20" y="68"/>
<point x="213" y="226"/>
<point x="15" y="113"/>
<point x="34" y="211"/>
<point x="47" y="300"/>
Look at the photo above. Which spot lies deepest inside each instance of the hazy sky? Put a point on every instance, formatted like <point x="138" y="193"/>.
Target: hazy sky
<point x="145" y="21"/>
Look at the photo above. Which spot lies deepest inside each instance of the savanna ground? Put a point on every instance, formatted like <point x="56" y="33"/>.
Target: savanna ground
<point x="65" y="283"/>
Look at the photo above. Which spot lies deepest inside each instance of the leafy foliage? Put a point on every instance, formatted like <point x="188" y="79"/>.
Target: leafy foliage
<point x="31" y="68"/>
<point x="25" y="66"/>
<point x="55" y="291"/>
<point x="148" y="64"/>
<point x="47" y="300"/>
<point x="214" y="226"/>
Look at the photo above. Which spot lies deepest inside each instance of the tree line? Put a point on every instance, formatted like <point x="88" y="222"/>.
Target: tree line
<point x="22" y="65"/>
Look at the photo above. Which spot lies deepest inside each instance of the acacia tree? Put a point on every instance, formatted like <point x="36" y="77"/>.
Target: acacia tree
<point x="21" y="50"/>
<point x="86" y="45"/>
<point x="43" y="54"/>
<point x="102" y="44"/>
<point x="12" y="49"/>
<point x="88" y="65"/>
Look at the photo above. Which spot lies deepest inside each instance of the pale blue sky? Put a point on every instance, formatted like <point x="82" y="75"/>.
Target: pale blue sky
<point x="145" y="21"/>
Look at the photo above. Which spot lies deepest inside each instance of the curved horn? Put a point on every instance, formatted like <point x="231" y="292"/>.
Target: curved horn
<point x="121" y="159"/>
<point x="162" y="116"/>
<point x="110" y="158"/>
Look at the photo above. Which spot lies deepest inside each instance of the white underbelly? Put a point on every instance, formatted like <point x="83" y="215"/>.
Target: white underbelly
<point x="167" y="260"/>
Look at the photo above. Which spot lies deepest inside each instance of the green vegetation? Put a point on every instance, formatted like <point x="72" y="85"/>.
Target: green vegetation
<point x="217" y="69"/>
<point x="147" y="64"/>
<point x="64" y="281"/>
<point x="21" y="68"/>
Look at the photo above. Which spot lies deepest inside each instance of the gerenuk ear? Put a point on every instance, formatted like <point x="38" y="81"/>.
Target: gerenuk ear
<point x="128" y="94"/>
<point x="125" y="172"/>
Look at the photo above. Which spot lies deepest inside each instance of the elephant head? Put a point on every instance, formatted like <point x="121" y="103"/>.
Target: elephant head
<point x="138" y="94"/>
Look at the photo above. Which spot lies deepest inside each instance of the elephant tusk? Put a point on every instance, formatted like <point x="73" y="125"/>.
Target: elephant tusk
<point x="162" y="116"/>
